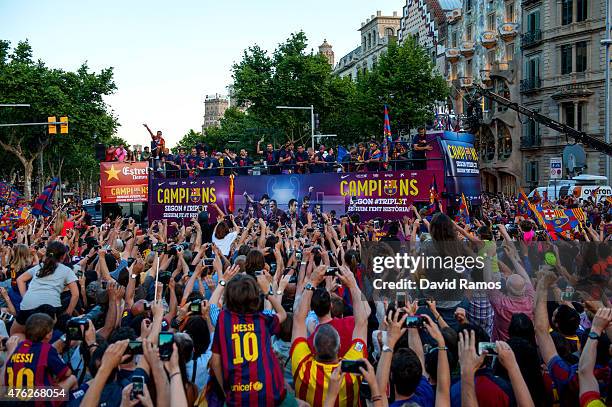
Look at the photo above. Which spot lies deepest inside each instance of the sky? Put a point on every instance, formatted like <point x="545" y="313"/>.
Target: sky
<point x="167" y="55"/>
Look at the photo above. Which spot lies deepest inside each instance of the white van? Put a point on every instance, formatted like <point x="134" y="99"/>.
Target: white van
<point x="581" y="186"/>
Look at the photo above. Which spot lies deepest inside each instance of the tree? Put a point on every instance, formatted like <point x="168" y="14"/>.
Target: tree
<point x="52" y="92"/>
<point x="406" y="81"/>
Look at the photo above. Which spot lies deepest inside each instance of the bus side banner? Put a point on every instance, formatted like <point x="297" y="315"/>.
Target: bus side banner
<point x="375" y="194"/>
<point x="124" y="182"/>
<point x="462" y="171"/>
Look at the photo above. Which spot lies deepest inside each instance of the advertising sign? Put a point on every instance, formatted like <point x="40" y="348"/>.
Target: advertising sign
<point x="124" y="182"/>
<point x="462" y="174"/>
<point x="383" y="194"/>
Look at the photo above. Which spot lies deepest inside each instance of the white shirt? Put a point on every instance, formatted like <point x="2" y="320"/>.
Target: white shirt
<point x="226" y="243"/>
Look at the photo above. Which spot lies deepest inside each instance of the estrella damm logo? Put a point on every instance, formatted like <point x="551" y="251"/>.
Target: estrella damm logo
<point x="390" y="187"/>
<point x="255" y="386"/>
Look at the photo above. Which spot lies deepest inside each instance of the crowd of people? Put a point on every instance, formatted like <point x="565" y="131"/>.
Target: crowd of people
<point x="275" y="306"/>
<point x="201" y="161"/>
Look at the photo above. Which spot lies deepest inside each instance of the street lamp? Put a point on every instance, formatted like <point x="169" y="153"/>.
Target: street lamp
<point x="312" y="119"/>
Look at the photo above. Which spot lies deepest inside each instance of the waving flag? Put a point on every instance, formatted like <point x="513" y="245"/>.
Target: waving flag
<point x="523" y="204"/>
<point x="14" y="197"/>
<point x="433" y="197"/>
<point x="560" y="221"/>
<point x="387" y="126"/>
<point x="386" y="143"/>
<point x="595" y="193"/>
<point x="5" y="190"/>
<point x="536" y="197"/>
<point x="43" y="204"/>
<point x="464" y="212"/>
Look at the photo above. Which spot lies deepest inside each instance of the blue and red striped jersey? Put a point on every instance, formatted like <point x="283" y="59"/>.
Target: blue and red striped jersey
<point x="35" y="364"/>
<point x="251" y="373"/>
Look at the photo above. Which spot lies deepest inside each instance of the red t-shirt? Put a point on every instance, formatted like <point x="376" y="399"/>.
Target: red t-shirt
<point x="67" y="225"/>
<point x="345" y="327"/>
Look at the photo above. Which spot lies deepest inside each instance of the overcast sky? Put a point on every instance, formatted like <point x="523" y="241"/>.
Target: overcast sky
<point x="167" y="55"/>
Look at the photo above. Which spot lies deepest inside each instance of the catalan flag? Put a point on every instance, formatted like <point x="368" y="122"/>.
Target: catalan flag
<point x="43" y="204"/>
<point x="464" y="212"/>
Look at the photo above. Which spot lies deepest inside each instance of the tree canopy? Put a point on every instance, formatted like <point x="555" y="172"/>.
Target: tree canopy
<point x="404" y="79"/>
<point x="52" y="92"/>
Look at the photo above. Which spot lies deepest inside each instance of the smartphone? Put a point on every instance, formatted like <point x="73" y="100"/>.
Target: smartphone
<point x="298" y="255"/>
<point x="159" y="247"/>
<point x="134" y="348"/>
<point x="422" y="302"/>
<point x="489" y="347"/>
<point x="331" y="271"/>
<point x="400" y="299"/>
<point x="207" y="262"/>
<point x="352" y="366"/>
<point x="309" y="230"/>
<point x="138" y="383"/>
<point x="166" y="341"/>
<point x="568" y="293"/>
<point x="376" y="224"/>
<point x="6" y="317"/>
<point x="415" y="321"/>
<point x="104" y="284"/>
<point x="130" y="261"/>
<point x="196" y="306"/>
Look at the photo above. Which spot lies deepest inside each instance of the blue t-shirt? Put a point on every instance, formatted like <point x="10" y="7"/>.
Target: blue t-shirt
<point x="423" y="395"/>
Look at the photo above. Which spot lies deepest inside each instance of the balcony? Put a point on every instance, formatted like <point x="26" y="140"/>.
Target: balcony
<point x="466" y="81"/>
<point x="485" y="76"/>
<point x="467" y="48"/>
<point x="531" y="39"/>
<point x="531" y="141"/>
<point x="452" y="55"/>
<point x="454" y="16"/>
<point x="489" y="39"/>
<point x="508" y="31"/>
<point x="527" y="3"/>
<point x="531" y="84"/>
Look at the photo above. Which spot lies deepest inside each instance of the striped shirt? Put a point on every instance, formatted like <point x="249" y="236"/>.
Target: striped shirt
<point x="35" y="364"/>
<point x="311" y="378"/>
<point x="251" y="372"/>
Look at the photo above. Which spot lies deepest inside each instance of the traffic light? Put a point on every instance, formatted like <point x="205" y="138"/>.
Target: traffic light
<point x="64" y="125"/>
<point x="52" y="127"/>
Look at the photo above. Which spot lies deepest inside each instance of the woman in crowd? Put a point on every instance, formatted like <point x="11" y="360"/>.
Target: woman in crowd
<point x="46" y="281"/>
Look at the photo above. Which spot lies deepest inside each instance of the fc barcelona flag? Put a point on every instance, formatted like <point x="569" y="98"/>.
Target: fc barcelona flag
<point x="433" y="197"/>
<point x="523" y="204"/>
<point x="464" y="213"/>
<point x="44" y="203"/>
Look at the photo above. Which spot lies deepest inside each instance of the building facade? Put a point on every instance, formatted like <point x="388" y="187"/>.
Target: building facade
<point x="481" y="46"/>
<point x="327" y="51"/>
<point x="563" y="78"/>
<point x="214" y="109"/>
<point x="426" y="22"/>
<point x="376" y="32"/>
